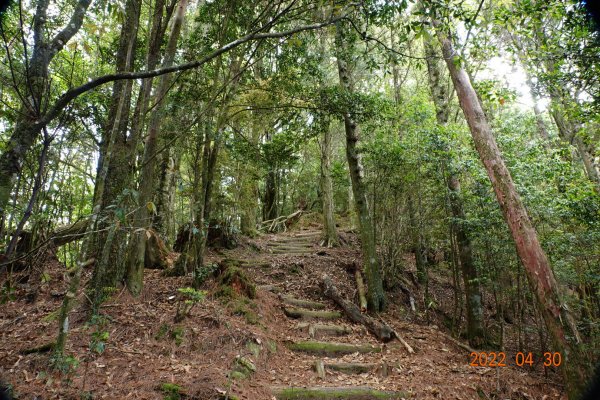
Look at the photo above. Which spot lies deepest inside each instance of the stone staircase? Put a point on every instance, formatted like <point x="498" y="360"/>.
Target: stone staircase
<point x="338" y="352"/>
<point x="302" y="243"/>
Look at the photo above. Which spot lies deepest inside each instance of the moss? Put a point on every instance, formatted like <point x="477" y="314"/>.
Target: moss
<point x="234" y="282"/>
<point x="271" y="346"/>
<point x="328" y="348"/>
<point x="254" y="348"/>
<point x="243" y="309"/>
<point x="237" y="375"/>
<point x="177" y="334"/>
<point x="303" y="303"/>
<point x="337" y="393"/>
<point x="172" y="391"/>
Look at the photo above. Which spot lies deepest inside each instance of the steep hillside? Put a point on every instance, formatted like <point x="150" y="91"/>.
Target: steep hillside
<point x="287" y="342"/>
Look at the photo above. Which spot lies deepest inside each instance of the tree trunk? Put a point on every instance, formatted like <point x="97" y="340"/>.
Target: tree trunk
<point x="330" y="236"/>
<point x="164" y="223"/>
<point x="115" y="162"/>
<point x="27" y="127"/>
<point x="556" y="314"/>
<point x="375" y="295"/>
<point x="439" y="94"/>
<point x="135" y="261"/>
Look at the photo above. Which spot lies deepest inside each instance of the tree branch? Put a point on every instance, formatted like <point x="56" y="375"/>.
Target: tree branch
<point x="70" y="30"/>
<point x="72" y="94"/>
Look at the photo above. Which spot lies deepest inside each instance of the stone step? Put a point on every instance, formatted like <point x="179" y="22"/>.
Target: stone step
<point x="350" y="368"/>
<point x="331" y="349"/>
<point x="286" y="246"/>
<point x="301" y="240"/>
<point x="336" y="393"/>
<point x="292" y="312"/>
<point x="316" y="331"/>
<point x="315" y="305"/>
<point x="303" y="234"/>
<point x="287" y="251"/>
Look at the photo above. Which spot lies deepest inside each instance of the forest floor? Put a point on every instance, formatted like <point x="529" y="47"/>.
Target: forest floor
<point x="212" y="353"/>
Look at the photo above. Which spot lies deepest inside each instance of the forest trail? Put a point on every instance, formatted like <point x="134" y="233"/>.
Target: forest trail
<point x="327" y="357"/>
<point x="289" y="342"/>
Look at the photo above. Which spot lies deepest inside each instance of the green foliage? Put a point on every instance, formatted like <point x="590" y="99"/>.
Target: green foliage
<point x="188" y="299"/>
<point x="7" y="293"/>
<point x="172" y="391"/>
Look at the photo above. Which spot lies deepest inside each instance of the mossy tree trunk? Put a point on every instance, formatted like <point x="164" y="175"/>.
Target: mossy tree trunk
<point x="115" y="166"/>
<point x="27" y="127"/>
<point x="142" y="218"/>
<point x="375" y="295"/>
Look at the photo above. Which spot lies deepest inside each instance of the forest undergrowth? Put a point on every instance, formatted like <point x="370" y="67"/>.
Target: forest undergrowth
<point x="135" y="348"/>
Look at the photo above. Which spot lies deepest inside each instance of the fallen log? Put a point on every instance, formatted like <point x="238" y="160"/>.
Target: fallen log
<point x="69" y="233"/>
<point x="302" y="303"/>
<point x="380" y="330"/>
<point x="285" y="221"/>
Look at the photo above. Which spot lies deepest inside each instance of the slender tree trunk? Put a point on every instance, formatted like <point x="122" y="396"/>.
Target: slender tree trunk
<point x="375" y="295"/>
<point x="114" y="160"/>
<point x="249" y="190"/>
<point x="475" y="331"/>
<point x="556" y="314"/>
<point x="27" y="128"/>
<point x="135" y="261"/>
<point x="330" y="236"/>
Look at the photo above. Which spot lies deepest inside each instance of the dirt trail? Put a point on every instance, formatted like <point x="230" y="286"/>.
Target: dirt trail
<point x="290" y="336"/>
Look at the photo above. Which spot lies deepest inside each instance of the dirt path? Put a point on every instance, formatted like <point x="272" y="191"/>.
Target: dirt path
<point x="288" y="337"/>
<point x="324" y="350"/>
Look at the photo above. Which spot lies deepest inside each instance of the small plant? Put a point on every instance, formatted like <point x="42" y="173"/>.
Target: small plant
<point x="177" y="335"/>
<point x="188" y="298"/>
<point x="205" y="272"/>
<point x="100" y="335"/>
<point x="7" y="293"/>
<point x="171" y="391"/>
<point x="162" y="331"/>
<point x="65" y="364"/>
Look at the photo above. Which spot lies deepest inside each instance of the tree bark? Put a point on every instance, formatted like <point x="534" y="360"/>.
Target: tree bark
<point x="439" y="94"/>
<point x="114" y="167"/>
<point x="28" y="127"/>
<point x="375" y="295"/>
<point x="135" y="260"/>
<point x="330" y="236"/>
<point x="556" y="314"/>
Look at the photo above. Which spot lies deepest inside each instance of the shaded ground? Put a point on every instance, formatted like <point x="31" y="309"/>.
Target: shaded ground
<point x="146" y="349"/>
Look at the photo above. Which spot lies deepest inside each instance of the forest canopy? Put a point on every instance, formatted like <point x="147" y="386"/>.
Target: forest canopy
<point x="452" y="138"/>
